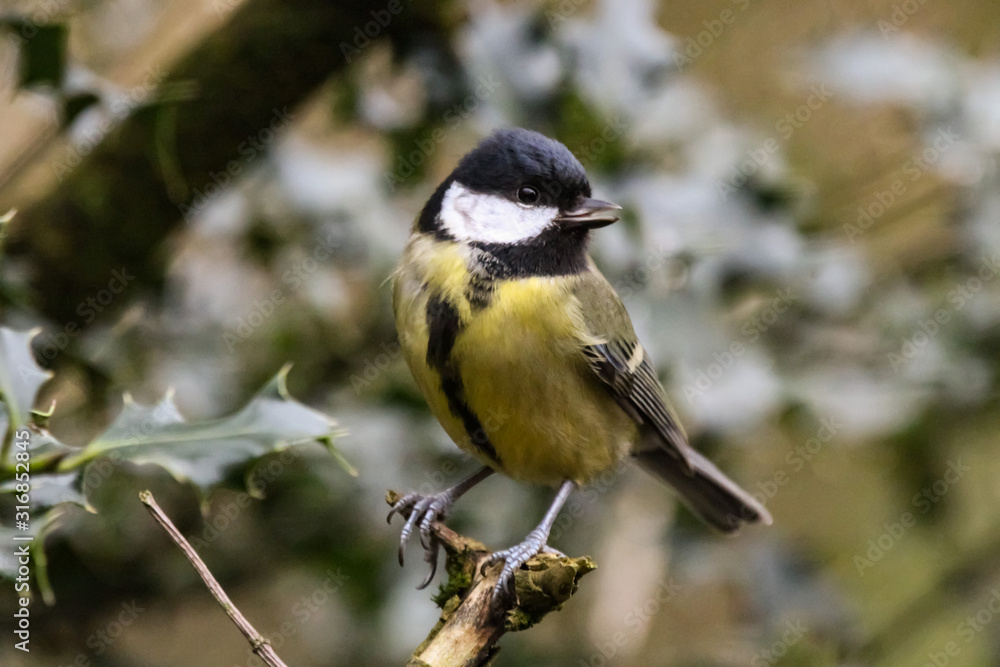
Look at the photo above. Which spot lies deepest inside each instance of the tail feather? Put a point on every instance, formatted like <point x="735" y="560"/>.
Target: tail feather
<point x="706" y="491"/>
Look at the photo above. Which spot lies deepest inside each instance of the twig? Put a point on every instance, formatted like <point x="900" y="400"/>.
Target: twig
<point x="472" y="622"/>
<point x="258" y="643"/>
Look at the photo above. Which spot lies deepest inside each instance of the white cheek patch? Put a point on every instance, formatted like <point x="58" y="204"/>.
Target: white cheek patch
<point x="472" y="216"/>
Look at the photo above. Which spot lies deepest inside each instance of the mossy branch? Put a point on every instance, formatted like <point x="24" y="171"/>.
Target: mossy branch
<point x="471" y="621"/>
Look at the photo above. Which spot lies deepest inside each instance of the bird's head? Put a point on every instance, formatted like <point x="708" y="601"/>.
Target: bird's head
<point x="516" y="186"/>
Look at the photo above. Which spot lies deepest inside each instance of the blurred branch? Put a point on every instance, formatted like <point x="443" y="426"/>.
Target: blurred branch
<point x="471" y="621"/>
<point x="115" y="210"/>
<point x="257" y="641"/>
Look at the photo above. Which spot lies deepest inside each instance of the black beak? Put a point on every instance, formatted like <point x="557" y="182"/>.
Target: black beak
<point x="589" y="213"/>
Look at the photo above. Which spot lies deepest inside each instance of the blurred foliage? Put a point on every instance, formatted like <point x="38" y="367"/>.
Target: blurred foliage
<point x="43" y="52"/>
<point x="808" y="252"/>
<point x="39" y="474"/>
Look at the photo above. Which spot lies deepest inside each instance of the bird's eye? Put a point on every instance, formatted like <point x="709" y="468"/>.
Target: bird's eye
<point x="527" y="194"/>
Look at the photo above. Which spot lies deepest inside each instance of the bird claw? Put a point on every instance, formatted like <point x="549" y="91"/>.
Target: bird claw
<point x="514" y="557"/>
<point x="421" y="512"/>
<point x="431" y="557"/>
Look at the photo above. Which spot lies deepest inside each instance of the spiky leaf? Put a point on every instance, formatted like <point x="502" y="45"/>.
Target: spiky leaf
<point x="202" y="453"/>
<point x="39" y="527"/>
<point x="47" y="491"/>
<point x="205" y="453"/>
<point x="20" y="376"/>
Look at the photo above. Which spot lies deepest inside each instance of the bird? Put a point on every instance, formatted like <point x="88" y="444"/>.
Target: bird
<point x="525" y="353"/>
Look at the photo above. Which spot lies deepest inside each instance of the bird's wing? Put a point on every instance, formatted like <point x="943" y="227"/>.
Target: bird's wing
<point x="616" y="357"/>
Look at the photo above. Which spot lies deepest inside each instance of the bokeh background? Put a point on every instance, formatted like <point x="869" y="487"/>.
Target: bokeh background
<point x="809" y="252"/>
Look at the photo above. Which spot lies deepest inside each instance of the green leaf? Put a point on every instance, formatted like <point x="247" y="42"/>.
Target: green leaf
<point x="40" y="527"/>
<point x="20" y="380"/>
<point x="46" y="450"/>
<point x="205" y="453"/>
<point x="47" y="491"/>
<point x="8" y="559"/>
<point x="201" y="453"/>
<point x="49" y="494"/>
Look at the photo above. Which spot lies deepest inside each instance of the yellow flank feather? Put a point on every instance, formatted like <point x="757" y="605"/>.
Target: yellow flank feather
<point x="428" y="266"/>
<point x="522" y="367"/>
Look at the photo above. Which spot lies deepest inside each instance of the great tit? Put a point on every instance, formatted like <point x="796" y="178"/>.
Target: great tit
<point x="524" y="351"/>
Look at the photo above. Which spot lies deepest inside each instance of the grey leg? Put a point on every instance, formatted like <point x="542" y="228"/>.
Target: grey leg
<point x="422" y="511"/>
<point x="536" y="542"/>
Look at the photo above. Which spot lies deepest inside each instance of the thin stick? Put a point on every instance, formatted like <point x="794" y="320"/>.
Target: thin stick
<point x="257" y="641"/>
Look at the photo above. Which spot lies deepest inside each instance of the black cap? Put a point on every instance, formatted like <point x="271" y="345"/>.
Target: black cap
<point x="514" y="157"/>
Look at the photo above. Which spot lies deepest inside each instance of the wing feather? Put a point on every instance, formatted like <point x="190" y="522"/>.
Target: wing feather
<point x="617" y="358"/>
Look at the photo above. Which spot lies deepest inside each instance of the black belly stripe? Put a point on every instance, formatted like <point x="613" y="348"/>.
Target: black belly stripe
<point x="443" y="326"/>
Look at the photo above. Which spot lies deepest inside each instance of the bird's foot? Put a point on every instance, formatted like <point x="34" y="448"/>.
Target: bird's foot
<point x="516" y="556"/>
<point x="420" y="512"/>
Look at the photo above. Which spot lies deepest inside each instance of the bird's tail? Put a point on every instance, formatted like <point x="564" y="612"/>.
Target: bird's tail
<point x="706" y="491"/>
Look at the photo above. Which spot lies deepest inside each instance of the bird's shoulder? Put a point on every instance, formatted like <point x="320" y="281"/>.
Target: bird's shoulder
<point x="603" y="313"/>
<point x="619" y="360"/>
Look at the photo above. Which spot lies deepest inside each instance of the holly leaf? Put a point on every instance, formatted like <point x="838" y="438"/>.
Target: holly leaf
<point x="48" y="495"/>
<point x="33" y="539"/>
<point x="8" y="557"/>
<point x="20" y="376"/>
<point x="46" y="449"/>
<point x="47" y="491"/>
<point x="205" y="453"/>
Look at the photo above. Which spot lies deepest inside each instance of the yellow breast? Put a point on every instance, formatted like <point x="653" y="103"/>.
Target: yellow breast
<point x="548" y="417"/>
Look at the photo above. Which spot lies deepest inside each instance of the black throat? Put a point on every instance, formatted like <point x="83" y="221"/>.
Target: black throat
<point x="554" y="252"/>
